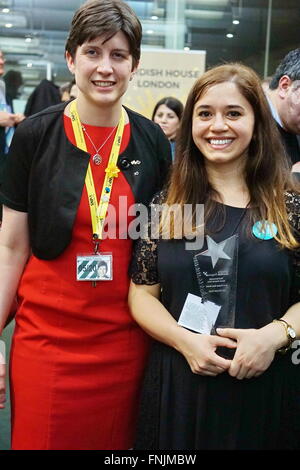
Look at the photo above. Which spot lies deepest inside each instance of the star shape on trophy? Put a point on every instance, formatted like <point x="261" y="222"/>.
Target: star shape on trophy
<point x="215" y="250"/>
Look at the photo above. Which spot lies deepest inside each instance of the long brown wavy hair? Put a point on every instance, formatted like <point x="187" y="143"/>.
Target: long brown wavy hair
<point x="267" y="169"/>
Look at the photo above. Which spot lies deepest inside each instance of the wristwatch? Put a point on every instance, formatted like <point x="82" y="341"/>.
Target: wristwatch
<point x="290" y="334"/>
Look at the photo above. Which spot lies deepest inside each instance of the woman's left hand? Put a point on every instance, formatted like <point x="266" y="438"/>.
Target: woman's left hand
<point x="254" y="352"/>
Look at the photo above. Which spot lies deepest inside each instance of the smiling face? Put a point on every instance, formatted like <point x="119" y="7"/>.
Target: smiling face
<point x="102" y="71"/>
<point x="168" y="120"/>
<point x="223" y="124"/>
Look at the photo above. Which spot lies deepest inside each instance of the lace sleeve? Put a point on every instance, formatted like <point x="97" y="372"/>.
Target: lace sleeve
<point x="143" y="268"/>
<point x="293" y="208"/>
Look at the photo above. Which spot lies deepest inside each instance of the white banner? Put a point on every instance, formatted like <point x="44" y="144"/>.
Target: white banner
<point x="163" y="73"/>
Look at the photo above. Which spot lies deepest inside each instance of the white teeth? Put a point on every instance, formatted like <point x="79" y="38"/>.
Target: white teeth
<point x="220" y="141"/>
<point x="104" y="84"/>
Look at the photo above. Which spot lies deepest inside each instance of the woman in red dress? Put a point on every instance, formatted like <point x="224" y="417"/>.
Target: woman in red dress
<point x="77" y="356"/>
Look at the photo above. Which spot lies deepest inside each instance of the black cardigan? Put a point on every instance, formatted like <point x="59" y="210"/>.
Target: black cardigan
<point x="45" y="174"/>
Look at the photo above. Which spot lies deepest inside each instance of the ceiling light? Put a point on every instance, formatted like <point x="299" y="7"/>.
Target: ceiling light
<point x="29" y="65"/>
<point x="154" y="17"/>
<point x="5" y="10"/>
<point x="8" y="25"/>
<point x="186" y="48"/>
<point x="28" y="40"/>
<point x="236" y="22"/>
<point x="229" y="35"/>
<point x="150" y="31"/>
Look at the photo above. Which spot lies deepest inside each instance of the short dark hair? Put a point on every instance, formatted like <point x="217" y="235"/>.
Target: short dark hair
<point x="172" y="103"/>
<point x="290" y="66"/>
<point x="105" y="17"/>
<point x="13" y="80"/>
<point x="103" y="263"/>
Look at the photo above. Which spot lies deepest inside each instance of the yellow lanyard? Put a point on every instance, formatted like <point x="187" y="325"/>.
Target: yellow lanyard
<point x="98" y="211"/>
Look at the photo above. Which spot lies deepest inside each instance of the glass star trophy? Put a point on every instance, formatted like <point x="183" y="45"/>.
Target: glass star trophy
<point x="216" y="270"/>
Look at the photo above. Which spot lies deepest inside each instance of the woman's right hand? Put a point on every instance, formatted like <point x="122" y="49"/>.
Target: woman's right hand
<point x="200" y="352"/>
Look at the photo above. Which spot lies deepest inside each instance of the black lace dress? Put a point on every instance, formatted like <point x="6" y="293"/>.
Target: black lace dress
<point x="184" y="411"/>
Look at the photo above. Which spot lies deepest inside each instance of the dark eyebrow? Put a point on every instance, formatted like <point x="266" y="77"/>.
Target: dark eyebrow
<point x="96" y="46"/>
<point x="234" y="106"/>
<point x="205" y="106"/>
<point x="122" y="50"/>
<point x="230" y="106"/>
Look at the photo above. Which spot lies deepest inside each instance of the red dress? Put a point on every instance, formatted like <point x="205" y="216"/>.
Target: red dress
<point x="77" y="355"/>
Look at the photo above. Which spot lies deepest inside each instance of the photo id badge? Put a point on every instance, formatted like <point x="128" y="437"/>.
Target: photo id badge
<point x="97" y="267"/>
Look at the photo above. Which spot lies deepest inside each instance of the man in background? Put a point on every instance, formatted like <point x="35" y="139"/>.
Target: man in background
<point x="7" y="121"/>
<point x="284" y="100"/>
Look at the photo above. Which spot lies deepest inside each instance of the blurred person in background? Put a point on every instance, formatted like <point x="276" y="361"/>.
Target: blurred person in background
<point x="68" y="91"/>
<point x="45" y="94"/>
<point x="284" y="100"/>
<point x="13" y="82"/>
<point x="8" y="120"/>
<point x="167" y="113"/>
<point x="73" y="90"/>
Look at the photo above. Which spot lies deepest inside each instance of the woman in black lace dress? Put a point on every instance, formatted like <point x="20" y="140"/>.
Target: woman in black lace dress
<point x="239" y="387"/>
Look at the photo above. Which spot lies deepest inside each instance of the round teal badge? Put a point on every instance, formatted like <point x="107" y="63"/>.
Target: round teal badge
<point x="264" y="230"/>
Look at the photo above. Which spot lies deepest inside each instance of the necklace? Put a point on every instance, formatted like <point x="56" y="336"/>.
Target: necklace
<point x="97" y="159"/>
<point x="240" y="219"/>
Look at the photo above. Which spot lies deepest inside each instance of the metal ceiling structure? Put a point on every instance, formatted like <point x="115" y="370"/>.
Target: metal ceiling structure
<point x="33" y="32"/>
